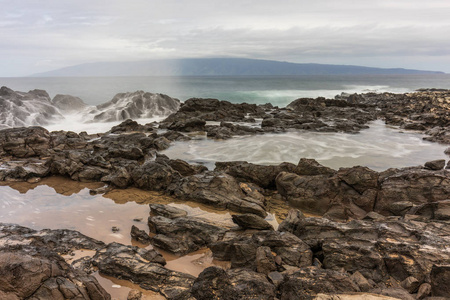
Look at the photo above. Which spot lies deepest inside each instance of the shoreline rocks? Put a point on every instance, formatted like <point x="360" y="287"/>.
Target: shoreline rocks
<point x="381" y="234"/>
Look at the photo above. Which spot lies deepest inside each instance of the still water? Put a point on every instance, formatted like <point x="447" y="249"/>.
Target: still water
<point x="380" y="147"/>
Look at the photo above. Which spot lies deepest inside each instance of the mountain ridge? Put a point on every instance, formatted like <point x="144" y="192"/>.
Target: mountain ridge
<point x="218" y="67"/>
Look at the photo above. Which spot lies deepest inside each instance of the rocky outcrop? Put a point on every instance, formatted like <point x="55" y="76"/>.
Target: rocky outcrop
<point x="221" y="191"/>
<point x="19" y="109"/>
<point x="354" y="192"/>
<point x="25" y="142"/>
<point x="144" y="267"/>
<point x="31" y="268"/>
<point x="216" y="283"/>
<point x="251" y="221"/>
<point x="135" y="105"/>
<point x="263" y="176"/>
<point x="242" y="250"/>
<point x="68" y="103"/>
<point x="379" y="250"/>
<point x="308" y="282"/>
<point x="183" y="235"/>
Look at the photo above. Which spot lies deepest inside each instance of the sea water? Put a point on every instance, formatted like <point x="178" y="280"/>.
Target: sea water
<point x="379" y="147"/>
<point x="278" y="90"/>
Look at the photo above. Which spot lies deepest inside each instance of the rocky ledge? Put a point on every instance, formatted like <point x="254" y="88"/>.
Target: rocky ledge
<point x="306" y="258"/>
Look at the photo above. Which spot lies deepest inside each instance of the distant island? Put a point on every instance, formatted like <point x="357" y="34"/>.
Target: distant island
<point x="218" y="67"/>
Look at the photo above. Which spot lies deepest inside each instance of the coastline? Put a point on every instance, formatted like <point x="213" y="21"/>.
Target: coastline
<point x="354" y="245"/>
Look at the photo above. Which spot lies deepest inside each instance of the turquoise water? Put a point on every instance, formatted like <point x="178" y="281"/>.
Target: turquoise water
<point x="278" y="90"/>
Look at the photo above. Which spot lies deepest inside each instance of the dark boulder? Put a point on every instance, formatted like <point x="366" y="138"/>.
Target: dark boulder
<point x="166" y="211"/>
<point x="25" y="142"/>
<point x="251" y="221"/>
<point x="216" y="283"/>
<point x="440" y="278"/>
<point x="183" y="234"/>
<point x="217" y="189"/>
<point x="306" y="283"/>
<point x="140" y="235"/>
<point x="264" y="176"/>
<point x="435" y="164"/>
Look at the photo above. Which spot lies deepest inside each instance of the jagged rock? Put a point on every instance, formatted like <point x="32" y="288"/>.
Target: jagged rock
<point x="397" y="293"/>
<point x="191" y="124"/>
<point x="20" y="109"/>
<point x="186" y="169"/>
<point x="31" y="267"/>
<point x="311" y="167"/>
<point x="400" y="208"/>
<point x="417" y="186"/>
<point x="424" y="291"/>
<point x="213" y="283"/>
<point x="68" y="103"/>
<point x="25" y="142"/>
<point x="167" y="211"/>
<point x="129" y="126"/>
<point x="135" y="105"/>
<point x="410" y="284"/>
<point x="440" y="277"/>
<point x="372" y="247"/>
<point x="435" y="164"/>
<point x="134" y="295"/>
<point x="361" y="281"/>
<point x="216" y="283"/>
<point x="183" y="234"/>
<point x="161" y="143"/>
<point x="241" y="249"/>
<point x="44" y="276"/>
<point x="212" y="110"/>
<point x="140" y="235"/>
<point x="360" y="178"/>
<point x="352" y="296"/>
<point x="251" y="221"/>
<point x="308" y="282"/>
<point x="154" y="175"/>
<point x="119" y="177"/>
<point x="264" y="176"/>
<point x="143" y="267"/>
<point x="219" y="190"/>
<point x="265" y="261"/>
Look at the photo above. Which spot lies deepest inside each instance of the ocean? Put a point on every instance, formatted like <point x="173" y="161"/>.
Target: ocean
<point x="278" y="90"/>
<point x="380" y="147"/>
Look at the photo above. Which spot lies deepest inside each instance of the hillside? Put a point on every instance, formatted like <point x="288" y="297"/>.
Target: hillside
<point x="217" y="67"/>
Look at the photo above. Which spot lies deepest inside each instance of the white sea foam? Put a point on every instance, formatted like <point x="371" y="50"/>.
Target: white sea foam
<point x="77" y="122"/>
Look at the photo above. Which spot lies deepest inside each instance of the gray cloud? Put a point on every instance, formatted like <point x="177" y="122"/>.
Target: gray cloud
<point x="40" y="36"/>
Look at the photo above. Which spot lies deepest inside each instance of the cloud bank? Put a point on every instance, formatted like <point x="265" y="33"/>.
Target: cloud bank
<point x="38" y="36"/>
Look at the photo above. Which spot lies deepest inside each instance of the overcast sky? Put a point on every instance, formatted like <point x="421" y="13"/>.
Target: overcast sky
<point x="43" y="35"/>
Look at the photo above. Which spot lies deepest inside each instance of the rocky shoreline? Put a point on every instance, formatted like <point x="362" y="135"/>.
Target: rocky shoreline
<point x="380" y="234"/>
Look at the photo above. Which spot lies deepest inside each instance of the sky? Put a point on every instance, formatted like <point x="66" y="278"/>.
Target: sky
<point x="43" y="35"/>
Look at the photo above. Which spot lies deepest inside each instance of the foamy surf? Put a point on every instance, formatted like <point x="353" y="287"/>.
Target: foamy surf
<point x="379" y="147"/>
<point x="77" y="123"/>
